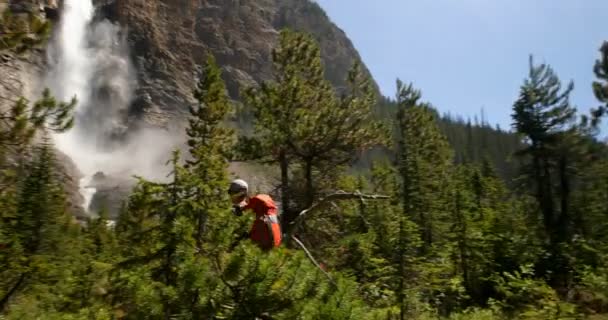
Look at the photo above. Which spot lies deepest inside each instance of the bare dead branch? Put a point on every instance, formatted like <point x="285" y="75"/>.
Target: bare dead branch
<point x="312" y="259"/>
<point x="338" y="196"/>
<point x="19" y="33"/>
<point x="13" y="101"/>
<point x="362" y="209"/>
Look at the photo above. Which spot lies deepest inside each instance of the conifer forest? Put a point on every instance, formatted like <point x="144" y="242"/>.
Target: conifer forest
<point x="388" y="208"/>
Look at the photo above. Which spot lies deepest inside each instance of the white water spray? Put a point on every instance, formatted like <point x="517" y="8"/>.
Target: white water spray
<point x="90" y="60"/>
<point x="72" y="69"/>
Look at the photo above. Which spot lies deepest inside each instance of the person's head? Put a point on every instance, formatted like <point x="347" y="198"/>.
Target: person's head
<point x="238" y="191"/>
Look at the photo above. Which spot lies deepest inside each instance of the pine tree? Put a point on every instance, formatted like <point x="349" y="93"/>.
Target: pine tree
<point x="171" y="224"/>
<point x="39" y="234"/>
<point x="424" y="160"/>
<point x="398" y="244"/>
<point x="40" y="247"/>
<point x="159" y="242"/>
<point x="20" y="124"/>
<point x="484" y="222"/>
<point x="302" y="125"/>
<point x="210" y="142"/>
<point x="545" y="119"/>
<point x="600" y="87"/>
<point x="21" y="33"/>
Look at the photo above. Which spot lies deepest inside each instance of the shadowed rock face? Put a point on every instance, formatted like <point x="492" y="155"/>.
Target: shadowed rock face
<point x="111" y="195"/>
<point x="48" y="8"/>
<point x="170" y="38"/>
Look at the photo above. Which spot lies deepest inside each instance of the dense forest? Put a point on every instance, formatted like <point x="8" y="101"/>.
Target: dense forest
<point x="389" y="210"/>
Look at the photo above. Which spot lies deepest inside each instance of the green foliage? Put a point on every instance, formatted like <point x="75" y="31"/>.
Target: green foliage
<point x="304" y="126"/>
<point x="472" y="141"/>
<point x="42" y="254"/>
<point x="542" y="111"/>
<point x="530" y="298"/>
<point x="600" y="87"/>
<point x="424" y="162"/>
<point x="452" y="242"/>
<point x="545" y="119"/>
<point x="22" y="32"/>
<point x="19" y="124"/>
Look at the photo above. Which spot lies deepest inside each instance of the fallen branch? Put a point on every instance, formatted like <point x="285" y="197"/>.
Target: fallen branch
<point x="338" y="196"/>
<point x="312" y="259"/>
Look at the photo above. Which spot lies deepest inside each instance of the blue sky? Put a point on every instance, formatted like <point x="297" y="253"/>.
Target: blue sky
<point x="466" y="55"/>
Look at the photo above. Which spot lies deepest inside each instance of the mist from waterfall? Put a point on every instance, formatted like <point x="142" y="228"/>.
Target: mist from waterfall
<point x="89" y="59"/>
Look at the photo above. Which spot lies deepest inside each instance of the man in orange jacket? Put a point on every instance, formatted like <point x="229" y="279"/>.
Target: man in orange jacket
<point x="266" y="230"/>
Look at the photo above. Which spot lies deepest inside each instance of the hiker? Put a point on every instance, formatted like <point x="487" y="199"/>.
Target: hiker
<point x="266" y="230"/>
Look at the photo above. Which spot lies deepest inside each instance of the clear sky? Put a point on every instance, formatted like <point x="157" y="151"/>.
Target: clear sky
<point x="466" y="55"/>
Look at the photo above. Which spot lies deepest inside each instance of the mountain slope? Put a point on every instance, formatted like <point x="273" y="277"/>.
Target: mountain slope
<point x="170" y="38"/>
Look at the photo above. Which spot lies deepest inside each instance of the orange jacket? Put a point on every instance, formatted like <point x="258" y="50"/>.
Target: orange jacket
<point x="265" y="229"/>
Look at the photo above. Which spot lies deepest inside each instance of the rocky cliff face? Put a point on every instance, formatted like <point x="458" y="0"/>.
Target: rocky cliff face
<point x="170" y="38"/>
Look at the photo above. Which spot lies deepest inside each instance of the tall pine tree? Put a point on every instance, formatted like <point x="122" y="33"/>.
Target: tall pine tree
<point x="424" y="160"/>
<point x="304" y="126"/>
<point x="544" y="117"/>
<point x="37" y="233"/>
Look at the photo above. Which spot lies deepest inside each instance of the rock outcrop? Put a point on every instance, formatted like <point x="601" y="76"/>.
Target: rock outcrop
<point x="170" y="38"/>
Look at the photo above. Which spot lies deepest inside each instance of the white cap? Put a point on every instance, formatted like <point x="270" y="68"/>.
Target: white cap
<point x="237" y="186"/>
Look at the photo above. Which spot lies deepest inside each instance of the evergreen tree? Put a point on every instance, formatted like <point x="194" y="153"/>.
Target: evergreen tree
<point x="545" y="119"/>
<point x="167" y="222"/>
<point x="210" y="142"/>
<point x="398" y="245"/>
<point x="488" y="231"/>
<point x="424" y="161"/>
<point x="37" y="235"/>
<point x="302" y="123"/>
<point x="21" y="33"/>
<point x="600" y="87"/>
<point x="19" y="125"/>
<point x="21" y="122"/>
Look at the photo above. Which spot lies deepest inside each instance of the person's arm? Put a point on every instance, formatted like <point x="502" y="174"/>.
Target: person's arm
<point x="237" y="210"/>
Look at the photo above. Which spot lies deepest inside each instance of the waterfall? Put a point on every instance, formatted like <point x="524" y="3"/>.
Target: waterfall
<point x="70" y="75"/>
<point x="89" y="59"/>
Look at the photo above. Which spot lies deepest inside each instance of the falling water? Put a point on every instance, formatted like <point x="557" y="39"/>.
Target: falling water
<point x="70" y="76"/>
<point x="89" y="59"/>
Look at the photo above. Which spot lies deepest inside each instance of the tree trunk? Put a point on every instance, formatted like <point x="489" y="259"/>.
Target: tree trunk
<point x="401" y="275"/>
<point x="4" y="301"/>
<point x="201" y="219"/>
<point x="564" y="218"/>
<point x="310" y="192"/>
<point x="547" y="202"/>
<point x="463" y="246"/>
<point x="287" y="213"/>
<point x="542" y="194"/>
